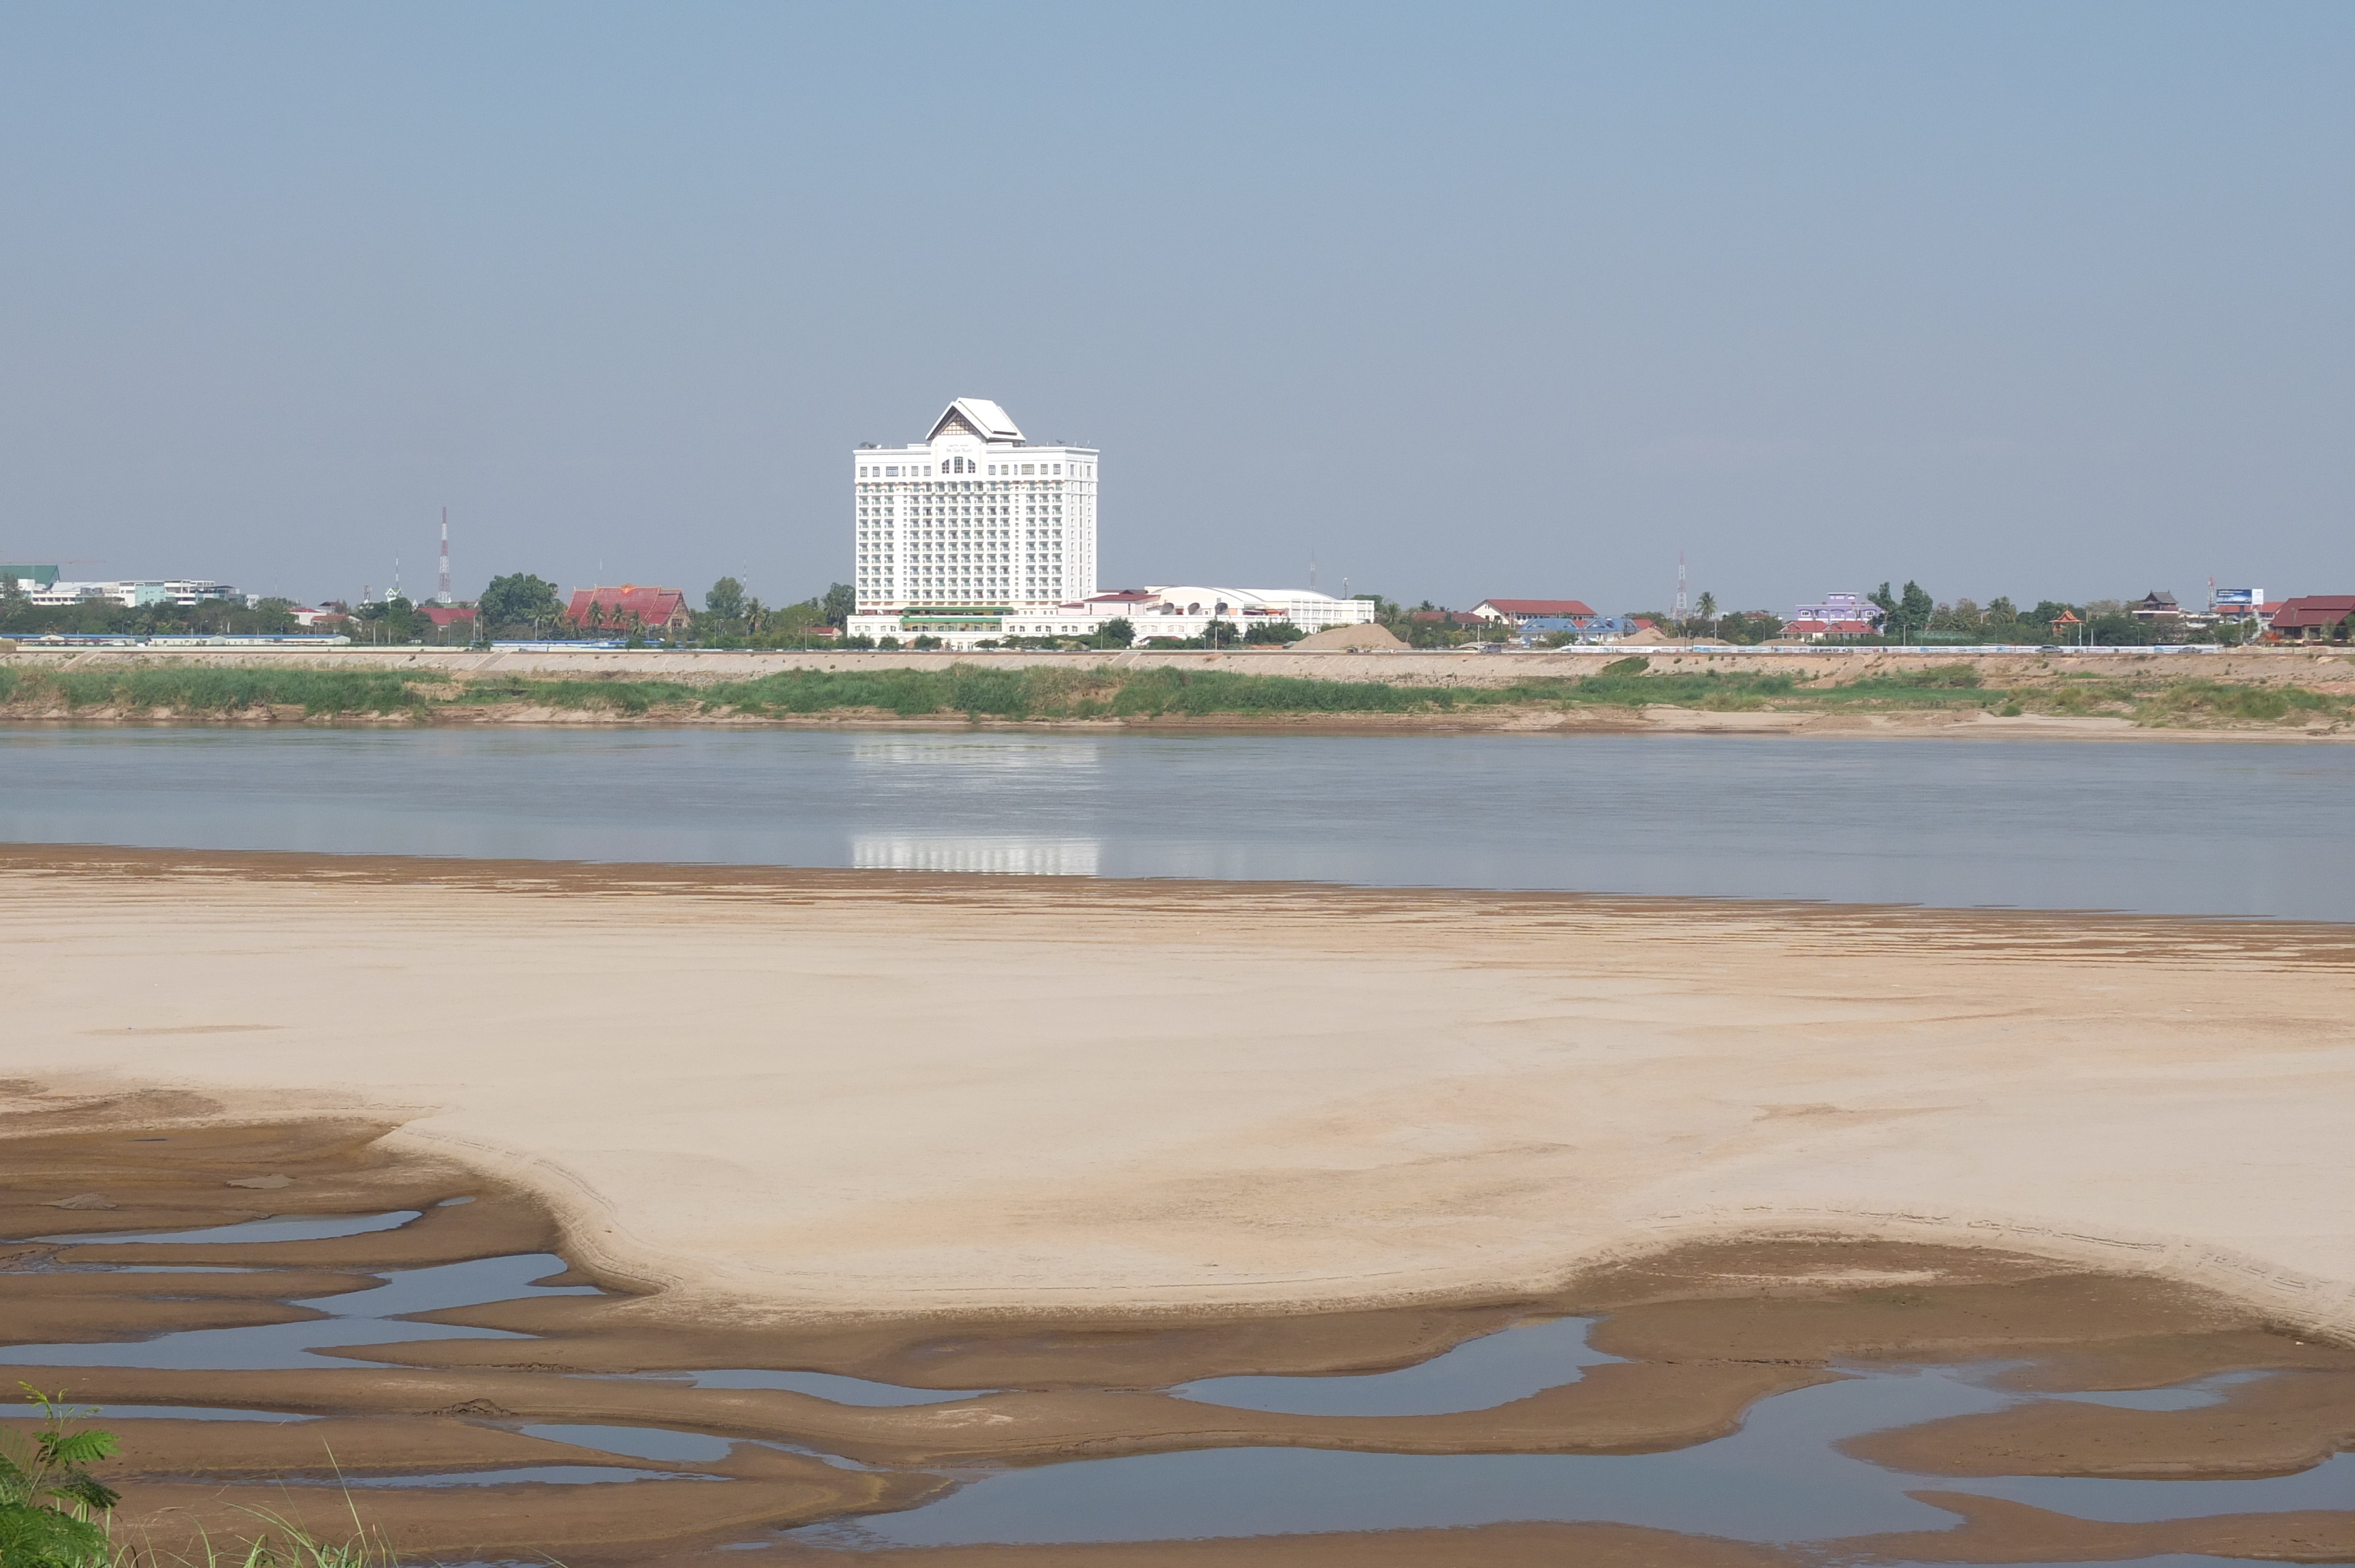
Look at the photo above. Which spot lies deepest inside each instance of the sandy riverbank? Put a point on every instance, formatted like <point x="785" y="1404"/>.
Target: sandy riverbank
<point x="780" y="1094"/>
<point x="1076" y="1141"/>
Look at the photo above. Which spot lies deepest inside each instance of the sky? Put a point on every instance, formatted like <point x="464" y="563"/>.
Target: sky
<point x="1455" y="301"/>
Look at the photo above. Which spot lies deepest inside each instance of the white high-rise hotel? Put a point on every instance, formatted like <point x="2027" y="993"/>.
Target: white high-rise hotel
<point x="974" y="518"/>
<point x="973" y="536"/>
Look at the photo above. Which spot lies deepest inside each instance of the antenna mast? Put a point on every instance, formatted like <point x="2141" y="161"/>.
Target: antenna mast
<point x="1683" y="610"/>
<point x="443" y="596"/>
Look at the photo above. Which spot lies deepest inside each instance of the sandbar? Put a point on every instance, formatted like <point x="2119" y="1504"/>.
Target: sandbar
<point x="781" y="1095"/>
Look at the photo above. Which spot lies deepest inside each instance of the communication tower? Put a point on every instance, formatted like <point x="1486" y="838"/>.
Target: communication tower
<point x="442" y="595"/>
<point x="1683" y="610"/>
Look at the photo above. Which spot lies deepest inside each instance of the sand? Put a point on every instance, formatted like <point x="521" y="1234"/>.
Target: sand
<point x="781" y="1095"/>
<point x="1707" y="1329"/>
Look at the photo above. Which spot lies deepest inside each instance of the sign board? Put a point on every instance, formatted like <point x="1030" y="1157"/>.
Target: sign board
<point x="2239" y="598"/>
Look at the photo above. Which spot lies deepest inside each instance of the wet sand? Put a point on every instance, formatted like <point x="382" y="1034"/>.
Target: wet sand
<point x="1709" y="1329"/>
<point x="1076" y="1141"/>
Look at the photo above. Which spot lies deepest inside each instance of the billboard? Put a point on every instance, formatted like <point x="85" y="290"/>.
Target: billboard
<point x="2240" y="599"/>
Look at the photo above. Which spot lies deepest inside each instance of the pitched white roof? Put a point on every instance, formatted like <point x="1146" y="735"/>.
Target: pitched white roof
<point x="991" y="422"/>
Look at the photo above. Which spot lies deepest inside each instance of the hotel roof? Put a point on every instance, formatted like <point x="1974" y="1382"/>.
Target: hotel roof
<point x="981" y="416"/>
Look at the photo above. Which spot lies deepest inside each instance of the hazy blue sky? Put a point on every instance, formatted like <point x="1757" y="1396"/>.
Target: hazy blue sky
<point x="2029" y="298"/>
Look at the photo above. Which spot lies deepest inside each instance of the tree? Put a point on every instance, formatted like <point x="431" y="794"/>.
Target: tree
<point x="1707" y="605"/>
<point x="47" y="1494"/>
<point x="519" y="599"/>
<point x="1118" y="632"/>
<point x="726" y="600"/>
<point x="1914" y="608"/>
<point x="837" y="604"/>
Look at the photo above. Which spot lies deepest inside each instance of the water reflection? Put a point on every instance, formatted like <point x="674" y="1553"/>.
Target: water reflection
<point x="2221" y="828"/>
<point x="1478" y="1374"/>
<point x="1779" y="1478"/>
<point x="1000" y="856"/>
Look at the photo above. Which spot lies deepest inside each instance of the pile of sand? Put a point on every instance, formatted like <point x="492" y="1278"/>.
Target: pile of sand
<point x="1367" y="639"/>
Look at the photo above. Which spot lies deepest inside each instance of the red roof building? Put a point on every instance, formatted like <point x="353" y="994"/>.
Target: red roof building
<point x="1450" y="616"/>
<point x="659" y="610"/>
<point x="2315" y="618"/>
<point x="1814" y="629"/>
<point x="444" y="616"/>
<point x="1513" y="612"/>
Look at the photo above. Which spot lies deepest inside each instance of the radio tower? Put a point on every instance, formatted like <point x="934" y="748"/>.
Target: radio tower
<point x="1683" y="610"/>
<point x="443" y="596"/>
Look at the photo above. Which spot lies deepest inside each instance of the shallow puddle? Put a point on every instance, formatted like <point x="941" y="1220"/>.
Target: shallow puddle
<point x="830" y="1386"/>
<point x="277" y="1228"/>
<point x="1479" y="1374"/>
<point x="527" y="1474"/>
<point x="353" y="1318"/>
<point x="636" y="1442"/>
<point x="2183" y="1396"/>
<point x="1778" y="1479"/>
<point x="186" y="1413"/>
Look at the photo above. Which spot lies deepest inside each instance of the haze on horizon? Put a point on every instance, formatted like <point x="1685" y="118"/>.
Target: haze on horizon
<point x="1462" y="299"/>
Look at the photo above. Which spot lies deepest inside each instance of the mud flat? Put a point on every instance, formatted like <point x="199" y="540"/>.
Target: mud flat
<point x="504" y="1445"/>
<point x="1048" y="1150"/>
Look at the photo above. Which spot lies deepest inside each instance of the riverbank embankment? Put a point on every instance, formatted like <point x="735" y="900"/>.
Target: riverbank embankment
<point x="2297" y="694"/>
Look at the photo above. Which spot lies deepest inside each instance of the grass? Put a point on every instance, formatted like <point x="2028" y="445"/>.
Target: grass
<point x="1062" y="692"/>
<point x="55" y="1514"/>
<point x="202" y="689"/>
<point x="2198" y="701"/>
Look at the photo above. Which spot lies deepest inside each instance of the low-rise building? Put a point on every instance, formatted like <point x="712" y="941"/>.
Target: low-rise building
<point x="1521" y="611"/>
<point x="182" y="592"/>
<point x="1182" y="613"/>
<point x="656" y="612"/>
<point x="1839" y="615"/>
<point x="2313" y="617"/>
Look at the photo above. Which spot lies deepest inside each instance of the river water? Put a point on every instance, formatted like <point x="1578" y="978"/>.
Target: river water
<point x="2154" y="827"/>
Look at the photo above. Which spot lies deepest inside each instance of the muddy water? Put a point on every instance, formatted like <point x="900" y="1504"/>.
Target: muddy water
<point x="1778" y="1479"/>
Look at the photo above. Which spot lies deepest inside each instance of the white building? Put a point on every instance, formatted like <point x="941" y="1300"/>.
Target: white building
<point x="183" y="593"/>
<point x="974" y="535"/>
<point x="973" y="521"/>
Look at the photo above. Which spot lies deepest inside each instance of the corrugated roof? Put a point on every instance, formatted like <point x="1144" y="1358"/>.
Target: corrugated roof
<point x="2314" y="610"/>
<point x="1538" y="606"/>
<point x="650" y="606"/>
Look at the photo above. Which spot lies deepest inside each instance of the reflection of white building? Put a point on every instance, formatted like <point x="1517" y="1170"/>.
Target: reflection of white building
<point x="974" y="535"/>
<point x="1001" y="856"/>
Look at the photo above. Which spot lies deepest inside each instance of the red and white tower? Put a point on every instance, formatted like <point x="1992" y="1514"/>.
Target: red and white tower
<point x="441" y="595"/>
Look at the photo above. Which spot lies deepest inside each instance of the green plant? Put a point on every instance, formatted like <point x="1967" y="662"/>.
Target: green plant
<point x="1633" y="664"/>
<point x="47" y="1496"/>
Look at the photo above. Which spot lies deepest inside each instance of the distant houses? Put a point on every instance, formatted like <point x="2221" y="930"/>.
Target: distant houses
<point x="1519" y="612"/>
<point x="2315" y="618"/>
<point x="1839" y="615"/>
